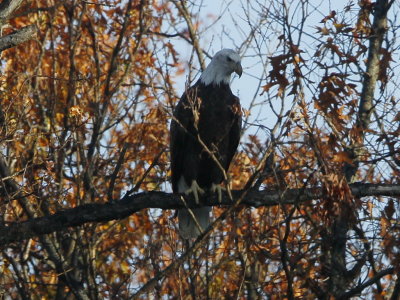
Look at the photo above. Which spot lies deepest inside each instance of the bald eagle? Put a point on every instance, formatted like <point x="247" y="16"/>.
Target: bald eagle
<point x="204" y="135"/>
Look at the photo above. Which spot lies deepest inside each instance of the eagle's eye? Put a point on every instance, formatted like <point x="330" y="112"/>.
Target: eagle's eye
<point x="229" y="59"/>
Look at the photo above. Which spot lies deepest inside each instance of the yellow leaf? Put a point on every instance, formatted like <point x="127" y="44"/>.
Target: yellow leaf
<point x="75" y="111"/>
<point x="339" y="26"/>
<point x="125" y="267"/>
<point x="59" y="117"/>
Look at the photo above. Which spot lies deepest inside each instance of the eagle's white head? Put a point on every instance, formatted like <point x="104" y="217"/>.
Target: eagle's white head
<point x="222" y="65"/>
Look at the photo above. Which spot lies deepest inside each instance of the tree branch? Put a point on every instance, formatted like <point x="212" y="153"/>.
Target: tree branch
<point x="181" y="6"/>
<point x="24" y="34"/>
<point x="7" y="8"/>
<point x="129" y="204"/>
<point x="359" y="288"/>
<point x="379" y="29"/>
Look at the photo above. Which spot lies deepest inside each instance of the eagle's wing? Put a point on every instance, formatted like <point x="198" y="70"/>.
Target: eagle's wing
<point x="179" y="125"/>
<point x="234" y="134"/>
<point x="181" y="131"/>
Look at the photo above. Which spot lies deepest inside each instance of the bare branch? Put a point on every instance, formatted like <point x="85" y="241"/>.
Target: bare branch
<point x="358" y="289"/>
<point x="181" y="6"/>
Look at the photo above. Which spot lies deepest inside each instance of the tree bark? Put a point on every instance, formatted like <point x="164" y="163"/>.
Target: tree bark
<point x="7" y="8"/>
<point x="24" y="34"/>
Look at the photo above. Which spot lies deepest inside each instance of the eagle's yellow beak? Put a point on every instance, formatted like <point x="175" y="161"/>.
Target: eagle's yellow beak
<point x="238" y="69"/>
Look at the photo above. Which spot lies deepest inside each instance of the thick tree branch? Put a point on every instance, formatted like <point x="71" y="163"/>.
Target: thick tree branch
<point x="99" y="212"/>
<point x="24" y="34"/>
<point x="7" y="8"/>
<point x="379" y="29"/>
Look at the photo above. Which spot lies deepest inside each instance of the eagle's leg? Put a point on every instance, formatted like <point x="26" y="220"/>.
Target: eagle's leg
<point x="217" y="188"/>
<point x="196" y="190"/>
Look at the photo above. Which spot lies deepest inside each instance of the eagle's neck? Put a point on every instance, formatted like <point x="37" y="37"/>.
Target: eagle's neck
<point x="215" y="75"/>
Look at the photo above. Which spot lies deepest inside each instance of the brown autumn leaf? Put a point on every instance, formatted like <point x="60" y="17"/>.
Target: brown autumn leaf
<point x="390" y="209"/>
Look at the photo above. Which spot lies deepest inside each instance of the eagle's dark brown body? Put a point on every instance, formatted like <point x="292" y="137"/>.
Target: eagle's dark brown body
<point x="207" y="115"/>
<point x="217" y="124"/>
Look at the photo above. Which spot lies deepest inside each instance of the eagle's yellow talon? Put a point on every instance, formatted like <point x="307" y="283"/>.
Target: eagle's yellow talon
<point x="196" y="190"/>
<point x="218" y="189"/>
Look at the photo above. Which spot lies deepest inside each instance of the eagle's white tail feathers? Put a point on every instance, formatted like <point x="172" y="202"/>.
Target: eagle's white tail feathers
<point x="192" y="224"/>
<point x="189" y="224"/>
